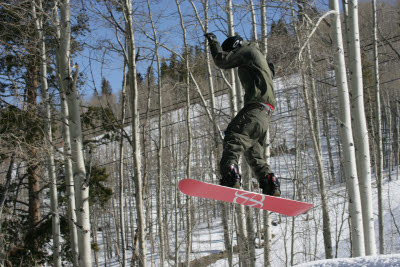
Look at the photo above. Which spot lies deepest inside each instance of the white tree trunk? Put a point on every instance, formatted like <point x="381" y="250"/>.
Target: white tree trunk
<point x="318" y="154"/>
<point x="234" y="94"/>
<point x="69" y="179"/>
<point x="312" y="111"/>
<point x="79" y="170"/>
<point x="360" y="130"/>
<point x="247" y="172"/>
<point x="266" y="218"/>
<point x="253" y="22"/>
<point x="266" y="213"/>
<point x="189" y="146"/>
<point x="263" y="21"/>
<point x="49" y="137"/>
<point x="68" y="88"/>
<point x="346" y="135"/>
<point x="378" y="116"/>
<point x="237" y="103"/>
<point x="160" y="143"/>
<point x="130" y="40"/>
<point x="121" y="171"/>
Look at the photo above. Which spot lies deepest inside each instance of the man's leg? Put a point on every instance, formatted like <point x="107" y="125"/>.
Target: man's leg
<point x="267" y="180"/>
<point x="229" y="168"/>
<point x="256" y="159"/>
<point x="240" y="135"/>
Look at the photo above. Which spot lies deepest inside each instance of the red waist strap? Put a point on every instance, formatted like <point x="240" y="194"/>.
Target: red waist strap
<point x="268" y="106"/>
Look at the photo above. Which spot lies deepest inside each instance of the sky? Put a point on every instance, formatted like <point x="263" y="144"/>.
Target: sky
<point x="96" y="64"/>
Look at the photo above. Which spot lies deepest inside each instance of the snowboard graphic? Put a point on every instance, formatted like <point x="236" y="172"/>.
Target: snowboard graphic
<point x="212" y="191"/>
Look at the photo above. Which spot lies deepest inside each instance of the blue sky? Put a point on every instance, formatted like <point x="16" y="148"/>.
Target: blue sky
<point x="96" y="64"/>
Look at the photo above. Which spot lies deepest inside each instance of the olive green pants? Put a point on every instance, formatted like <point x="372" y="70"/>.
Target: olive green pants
<point x="246" y="134"/>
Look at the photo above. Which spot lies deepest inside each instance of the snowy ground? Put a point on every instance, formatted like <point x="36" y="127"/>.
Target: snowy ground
<point x="378" y="261"/>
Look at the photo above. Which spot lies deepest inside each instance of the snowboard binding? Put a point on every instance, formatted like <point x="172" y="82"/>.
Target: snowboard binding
<point x="270" y="185"/>
<point x="232" y="177"/>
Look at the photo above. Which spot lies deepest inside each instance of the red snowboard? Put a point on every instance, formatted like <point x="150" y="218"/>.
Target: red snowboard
<point x="276" y="204"/>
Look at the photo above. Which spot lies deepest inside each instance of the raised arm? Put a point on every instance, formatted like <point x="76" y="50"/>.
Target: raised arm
<point x="223" y="59"/>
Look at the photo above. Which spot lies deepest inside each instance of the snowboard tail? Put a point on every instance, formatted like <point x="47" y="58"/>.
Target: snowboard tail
<point x="280" y="205"/>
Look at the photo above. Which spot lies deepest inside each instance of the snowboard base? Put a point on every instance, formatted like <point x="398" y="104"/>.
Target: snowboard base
<point x="280" y="205"/>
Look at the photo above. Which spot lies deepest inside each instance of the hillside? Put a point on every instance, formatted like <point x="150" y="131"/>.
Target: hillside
<point x="306" y="236"/>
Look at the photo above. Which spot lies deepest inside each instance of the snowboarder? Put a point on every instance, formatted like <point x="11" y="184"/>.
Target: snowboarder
<point x="246" y="133"/>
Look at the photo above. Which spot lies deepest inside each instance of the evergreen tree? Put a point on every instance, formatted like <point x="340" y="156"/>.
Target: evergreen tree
<point x="105" y="87"/>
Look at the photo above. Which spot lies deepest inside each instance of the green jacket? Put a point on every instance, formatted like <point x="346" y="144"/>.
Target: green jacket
<point x="254" y="72"/>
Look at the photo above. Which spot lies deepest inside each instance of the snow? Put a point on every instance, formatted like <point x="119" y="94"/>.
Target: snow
<point x="369" y="261"/>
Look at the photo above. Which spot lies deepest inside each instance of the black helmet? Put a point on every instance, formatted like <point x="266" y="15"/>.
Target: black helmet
<point x="231" y="43"/>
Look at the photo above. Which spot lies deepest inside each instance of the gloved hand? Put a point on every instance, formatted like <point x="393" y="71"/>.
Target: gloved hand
<point x="210" y="36"/>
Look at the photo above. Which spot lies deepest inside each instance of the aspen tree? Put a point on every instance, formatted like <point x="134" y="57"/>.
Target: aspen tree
<point x="318" y="154"/>
<point x="121" y="169"/>
<point x="189" y="136"/>
<point x="253" y="21"/>
<point x="263" y="21"/>
<point x="249" y="212"/>
<point x="312" y="115"/>
<point x="49" y="136"/>
<point x="69" y="179"/>
<point x="138" y="179"/>
<point x="378" y="116"/>
<point x="80" y="182"/>
<point x="346" y="135"/>
<point x="160" y="185"/>
<point x="266" y="217"/>
<point x="234" y="95"/>
<point x="360" y="131"/>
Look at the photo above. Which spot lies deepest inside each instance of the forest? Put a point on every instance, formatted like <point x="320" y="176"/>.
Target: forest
<point x="105" y="105"/>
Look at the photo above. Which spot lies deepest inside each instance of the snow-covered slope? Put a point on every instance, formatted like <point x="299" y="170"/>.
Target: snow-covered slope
<point x="372" y="261"/>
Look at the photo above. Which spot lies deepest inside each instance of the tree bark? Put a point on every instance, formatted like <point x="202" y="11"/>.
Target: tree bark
<point x="378" y="116"/>
<point x="68" y="85"/>
<point x="68" y="170"/>
<point x="346" y="136"/>
<point x="130" y="39"/>
<point x="189" y="136"/>
<point x="49" y="137"/>
<point x="312" y="116"/>
<point x="234" y="94"/>
<point x="121" y="170"/>
<point x="6" y="185"/>
<point x="160" y="142"/>
<point x="318" y="154"/>
<point x="360" y="129"/>
<point x="31" y="80"/>
<point x="263" y="21"/>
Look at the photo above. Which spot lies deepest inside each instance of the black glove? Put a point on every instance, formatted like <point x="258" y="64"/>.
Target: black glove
<point x="210" y="37"/>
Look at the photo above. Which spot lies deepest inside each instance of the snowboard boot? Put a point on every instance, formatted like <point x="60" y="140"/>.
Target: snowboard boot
<point x="270" y="185"/>
<point x="232" y="178"/>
